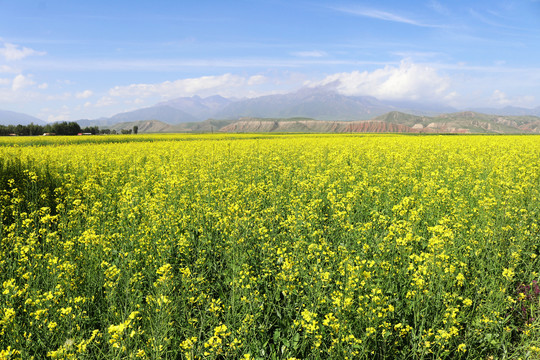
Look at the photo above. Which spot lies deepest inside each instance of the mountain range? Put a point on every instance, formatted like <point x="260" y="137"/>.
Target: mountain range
<point x="15" y="118"/>
<point x="318" y="103"/>
<point x="392" y="122"/>
<point x="309" y="108"/>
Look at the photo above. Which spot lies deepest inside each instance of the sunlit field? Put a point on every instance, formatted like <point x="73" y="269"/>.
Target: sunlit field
<point x="270" y="247"/>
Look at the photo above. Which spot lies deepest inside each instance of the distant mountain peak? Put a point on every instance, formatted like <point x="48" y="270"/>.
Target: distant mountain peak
<point x="14" y="118"/>
<point x="323" y="102"/>
<point x="321" y="89"/>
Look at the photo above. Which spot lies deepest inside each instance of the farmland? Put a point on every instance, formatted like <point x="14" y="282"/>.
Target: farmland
<point x="270" y="247"/>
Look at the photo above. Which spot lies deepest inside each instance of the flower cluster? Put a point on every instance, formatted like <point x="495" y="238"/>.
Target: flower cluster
<point x="269" y="246"/>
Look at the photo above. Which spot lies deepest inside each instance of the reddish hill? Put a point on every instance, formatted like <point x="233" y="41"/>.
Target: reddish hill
<point x="256" y="125"/>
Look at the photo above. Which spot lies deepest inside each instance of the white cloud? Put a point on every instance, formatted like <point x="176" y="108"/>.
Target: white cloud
<point x="56" y="97"/>
<point x="227" y="84"/>
<point x="257" y="79"/>
<point x="84" y="95"/>
<point x="65" y="82"/>
<point x="4" y="81"/>
<point x="43" y="86"/>
<point x="12" y="52"/>
<point x="20" y="82"/>
<point x="62" y="114"/>
<point x="407" y="82"/>
<point x="500" y="98"/>
<point x="56" y="118"/>
<point x="105" y="101"/>
<point x="136" y="101"/>
<point x="8" y="69"/>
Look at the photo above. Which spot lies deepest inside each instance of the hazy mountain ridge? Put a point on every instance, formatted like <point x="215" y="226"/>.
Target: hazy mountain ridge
<point x="173" y="115"/>
<point x="468" y="120"/>
<point x="318" y="104"/>
<point x="392" y="122"/>
<point x="509" y="111"/>
<point x="199" y="108"/>
<point x="15" y="118"/>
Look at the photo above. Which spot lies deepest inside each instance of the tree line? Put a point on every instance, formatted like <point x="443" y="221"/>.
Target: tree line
<point x="59" y="128"/>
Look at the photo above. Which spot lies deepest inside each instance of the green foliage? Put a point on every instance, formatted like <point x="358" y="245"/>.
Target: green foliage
<point x="25" y="188"/>
<point x="279" y="247"/>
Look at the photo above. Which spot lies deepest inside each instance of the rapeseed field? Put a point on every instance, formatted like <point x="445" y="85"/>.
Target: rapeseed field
<point x="270" y="247"/>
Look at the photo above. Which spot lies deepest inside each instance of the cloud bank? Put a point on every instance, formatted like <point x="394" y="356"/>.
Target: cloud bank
<point x="407" y="82"/>
<point x="226" y="85"/>
<point x="20" y="82"/>
<point x="13" y="52"/>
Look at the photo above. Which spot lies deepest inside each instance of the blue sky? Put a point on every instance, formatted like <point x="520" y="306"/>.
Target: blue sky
<point x="67" y="60"/>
